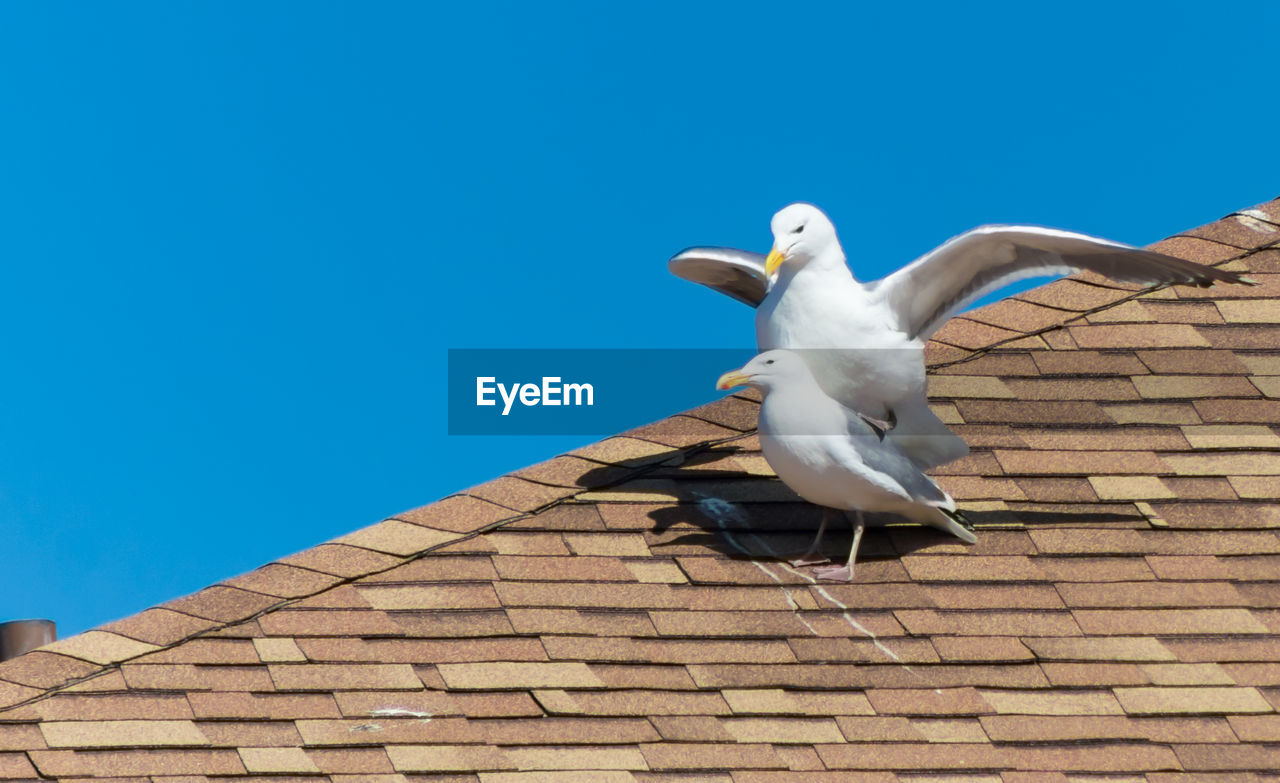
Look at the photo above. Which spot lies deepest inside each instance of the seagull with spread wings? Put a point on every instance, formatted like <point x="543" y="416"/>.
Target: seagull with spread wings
<point x="864" y="342"/>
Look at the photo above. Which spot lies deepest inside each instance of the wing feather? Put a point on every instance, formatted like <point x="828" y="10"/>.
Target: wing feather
<point x="931" y="289"/>
<point x="735" y="273"/>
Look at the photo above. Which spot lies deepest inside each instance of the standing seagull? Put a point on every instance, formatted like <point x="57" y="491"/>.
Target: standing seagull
<point x="830" y="456"/>
<point x="866" y="340"/>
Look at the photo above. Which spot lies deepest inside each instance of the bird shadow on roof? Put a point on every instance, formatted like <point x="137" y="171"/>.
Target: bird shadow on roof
<point x="705" y="502"/>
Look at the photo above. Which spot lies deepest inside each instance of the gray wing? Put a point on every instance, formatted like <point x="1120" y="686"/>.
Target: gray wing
<point x="931" y="289"/>
<point x="891" y="468"/>
<point x="736" y="273"/>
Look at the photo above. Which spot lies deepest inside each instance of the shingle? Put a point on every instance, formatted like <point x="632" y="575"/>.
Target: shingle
<point x="624" y="451"/>
<point x="981" y="648"/>
<point x="924" y="701"/>
<point x="192" y="677"/>
<point x="327" y="677"/>
<point x="1031" y="412"/>
<point x="1173" y="700"/>
<point x="783" y="730"/>
<point x="327" y="622"/>
<point x="224" y="604"/>
<point x="158" y="626"/>
<point x="341" y="560"/>
<point x="567" y="731"/>
<point x="1137" y="336"/>
<point x="1093" y="675"/>
<point x="98" y="647"/>
<point x="1187" y="674"/>
<point x="1238" y="464"/>
<point x="637" y="702"/>
<point x="1228" y="757"/>
<point x="43" y="669"/>
<point x="250" y="734"/>
<point x="1095" y="569"/>
<point x="397" y="538"/>
<point x="663" y="651"/>
<point x="509" y="492"/>
<point x="576" y="621"/>
<point x="710" y="756"/>
<point x="1153" y="594"/>
<point x="15" y="766"/>
<point x="1018" y="315"/>
<point x="775" y="701"/>
<point x="125" y="763"/>
<point x="277" y="760"/>
<point x="1256" y="728"/>
<point x="1168" y="621"/>
<point x="1195" y="249"/>
<point x="278" y="650"/>
<point x="431" y="596"/>
<point x="453" y="623"/>
<point x="1100" y="649"/>
<point x="368" y="761"/>
<point x="1013" y="568"/>
<point x="1130" y="487"/>
<point x="388" y="730"/>
<point x="447" y="758"/>
<point x="868" y="650"/>
<point x="283" y="581"/>
<point x="1238" y="411"/>
<point x="1079" y="462"/>
<point x="121" y="733"/>
<point x="486" y="676"/>
<point x="1191" y="361"/>
<point x="1065" y="703"/>
<point x="570" y="471"/>
<point x="690" y="728"/>
<point x="680" y="432"/>
<point x="261" y="706"/>
<point x="1153" y="413"/>
<point x="1071" y="295"/>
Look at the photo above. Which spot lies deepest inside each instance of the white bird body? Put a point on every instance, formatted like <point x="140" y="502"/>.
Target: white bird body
<point x="850" y="340"/>
<point x="829" y="456"/>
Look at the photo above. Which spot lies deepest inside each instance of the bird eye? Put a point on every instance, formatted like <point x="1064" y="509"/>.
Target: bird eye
<point x="769" y="362"/>
<point x="798" y="229"/>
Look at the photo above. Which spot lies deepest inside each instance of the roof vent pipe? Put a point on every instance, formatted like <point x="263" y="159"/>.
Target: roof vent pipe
<point x="19" y="636"/>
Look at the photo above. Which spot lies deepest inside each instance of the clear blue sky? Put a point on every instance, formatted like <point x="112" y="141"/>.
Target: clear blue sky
<point x="238" y="238"/>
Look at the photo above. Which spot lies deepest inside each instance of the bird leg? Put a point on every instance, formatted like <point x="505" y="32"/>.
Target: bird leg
<point x="811" y="556"/>
<point x="844" y="573"/>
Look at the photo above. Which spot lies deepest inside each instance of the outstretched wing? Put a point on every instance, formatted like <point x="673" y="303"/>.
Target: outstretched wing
<point x="736" y="273"/>
<point x="928" y="291"/>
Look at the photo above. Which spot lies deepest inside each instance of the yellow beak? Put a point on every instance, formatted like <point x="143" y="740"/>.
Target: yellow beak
<point x="732" y="378"/>
<point x="774" y="261"/>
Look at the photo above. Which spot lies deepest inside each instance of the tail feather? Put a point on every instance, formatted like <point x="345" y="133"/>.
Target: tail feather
<point x="950" y="521"/>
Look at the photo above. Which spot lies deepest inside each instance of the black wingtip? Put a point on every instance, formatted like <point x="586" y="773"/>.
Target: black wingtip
<point x="964" y="521"/>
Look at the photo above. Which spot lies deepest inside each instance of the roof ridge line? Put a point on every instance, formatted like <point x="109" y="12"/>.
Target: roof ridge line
<point x="639" y="470"/>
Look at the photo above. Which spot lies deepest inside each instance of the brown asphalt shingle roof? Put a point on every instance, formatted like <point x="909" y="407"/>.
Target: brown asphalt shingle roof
<point x="617" y="614"/>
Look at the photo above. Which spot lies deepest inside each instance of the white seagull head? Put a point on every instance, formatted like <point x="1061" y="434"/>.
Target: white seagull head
<point x="801" y="232"/>
<point x="767" y="371"/>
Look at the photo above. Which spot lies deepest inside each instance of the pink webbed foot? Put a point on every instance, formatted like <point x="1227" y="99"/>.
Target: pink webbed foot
<point x="834" y="574"/>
